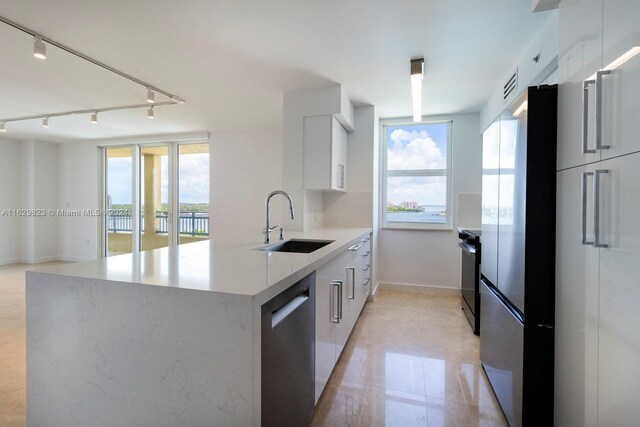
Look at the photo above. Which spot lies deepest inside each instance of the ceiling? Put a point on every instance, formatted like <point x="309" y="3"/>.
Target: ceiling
<point x="232" y="60"/>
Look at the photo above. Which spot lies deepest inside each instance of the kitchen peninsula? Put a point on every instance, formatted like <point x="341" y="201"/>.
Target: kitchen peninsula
<point x="164" y="337"/>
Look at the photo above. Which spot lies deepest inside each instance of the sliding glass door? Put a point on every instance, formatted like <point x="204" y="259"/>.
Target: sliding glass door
<point x="193" y="192"/>
<point x="156" y="196"/>
<point x="119" y="200"/>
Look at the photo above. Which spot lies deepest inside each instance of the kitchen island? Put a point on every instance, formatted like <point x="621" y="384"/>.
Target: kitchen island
<point x="164" y="337"/>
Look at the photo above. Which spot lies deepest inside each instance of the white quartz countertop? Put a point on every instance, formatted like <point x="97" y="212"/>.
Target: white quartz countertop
<point x="226" y="267"/>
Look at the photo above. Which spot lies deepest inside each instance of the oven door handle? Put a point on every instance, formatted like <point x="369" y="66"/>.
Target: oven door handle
<point x="467" y="248"/>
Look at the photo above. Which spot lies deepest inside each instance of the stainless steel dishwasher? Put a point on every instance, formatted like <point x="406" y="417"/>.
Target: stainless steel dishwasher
<point x="288" y="351"/>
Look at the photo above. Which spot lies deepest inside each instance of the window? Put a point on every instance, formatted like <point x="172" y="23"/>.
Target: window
<point x="416" y="175"/>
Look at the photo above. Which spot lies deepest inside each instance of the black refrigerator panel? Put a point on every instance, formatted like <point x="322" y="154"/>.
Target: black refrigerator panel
<point x="490" y="208"/>
<point x="502" y="352"/>
<point x="512" y="190"/>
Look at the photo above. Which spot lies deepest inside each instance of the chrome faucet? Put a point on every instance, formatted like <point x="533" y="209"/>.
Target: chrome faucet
<point x="268" y="229"/>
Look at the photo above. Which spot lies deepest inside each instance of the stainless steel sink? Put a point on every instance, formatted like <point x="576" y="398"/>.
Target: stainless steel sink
<point x="301" y="246"/>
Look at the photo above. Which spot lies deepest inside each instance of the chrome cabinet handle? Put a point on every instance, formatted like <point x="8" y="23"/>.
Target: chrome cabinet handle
<point x="365" y="240"/>
<point x="340" y="301"/>
<point x="366" y="267"/>
<point x="583" y="204"/>
<point x="353" y="283"/>
<point x="367" y="282"/>
<point x="366" y="253"/>
<point x="599" y="145"/>
<point x="335" y="313"/>
<point x="585" y="117"/>
<point x="355" y="247"/>
<point x="596" y="209"/>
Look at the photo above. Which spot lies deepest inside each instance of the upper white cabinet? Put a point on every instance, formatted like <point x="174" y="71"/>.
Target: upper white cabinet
<point x="620" y="88"/>
<point x="598" y="71"/>
<point x="580" y="57"/>
<point x="325" y="154"/>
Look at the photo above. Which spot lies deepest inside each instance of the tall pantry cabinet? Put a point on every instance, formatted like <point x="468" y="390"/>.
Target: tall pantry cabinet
<point x="597" y="366"/>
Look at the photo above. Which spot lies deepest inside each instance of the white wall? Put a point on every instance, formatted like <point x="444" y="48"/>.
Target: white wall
<point x="245" y="168"/>
<point x="430" y="257"/>
<point x="530" y="73"/>
<point x="79" y="177"/>
<point x="9" y="199"/>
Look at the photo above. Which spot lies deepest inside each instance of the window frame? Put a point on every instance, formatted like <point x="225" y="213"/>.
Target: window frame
<point x="384" y="174"/>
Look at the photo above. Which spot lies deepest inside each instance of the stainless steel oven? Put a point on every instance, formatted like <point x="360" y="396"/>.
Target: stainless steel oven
<point x="470" y="277"/>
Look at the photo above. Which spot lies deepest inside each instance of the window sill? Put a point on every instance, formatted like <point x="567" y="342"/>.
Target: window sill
<point x="416" y="227"/>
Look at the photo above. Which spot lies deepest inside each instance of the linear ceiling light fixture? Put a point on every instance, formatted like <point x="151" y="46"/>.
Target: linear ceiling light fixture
<point x="417" y="73"/>
<point x="40" y="51"/>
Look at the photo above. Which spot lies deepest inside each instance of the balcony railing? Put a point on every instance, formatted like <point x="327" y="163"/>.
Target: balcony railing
<point x="194" y="224"/>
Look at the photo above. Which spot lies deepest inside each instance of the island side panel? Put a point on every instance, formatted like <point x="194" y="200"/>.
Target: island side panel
<point x="108" y="353"/>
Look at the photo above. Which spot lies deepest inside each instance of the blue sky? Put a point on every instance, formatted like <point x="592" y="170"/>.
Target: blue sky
<point x="194" y="179"/>
<point x="413" y="147"/>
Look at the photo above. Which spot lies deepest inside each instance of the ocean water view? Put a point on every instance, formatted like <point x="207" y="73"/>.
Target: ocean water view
<point x="431" y="214"/>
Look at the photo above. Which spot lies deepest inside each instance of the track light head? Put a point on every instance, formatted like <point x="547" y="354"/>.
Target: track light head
<point x="151" y="96"/>
<point x="3" y="127"/>
<point x="94" y="118"/>
<point x="45" y="122"/>
<point x="177" y="99"/>
<point x="39" y="48"/>
<point x="150" y="114"/>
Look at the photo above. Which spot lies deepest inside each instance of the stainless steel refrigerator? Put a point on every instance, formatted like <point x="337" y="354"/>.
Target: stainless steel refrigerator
<point x="518" y="256"/>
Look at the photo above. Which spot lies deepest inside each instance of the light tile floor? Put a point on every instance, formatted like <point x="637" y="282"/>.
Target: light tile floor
<point x="12" y="343"/>
<point x="412" y="360"/>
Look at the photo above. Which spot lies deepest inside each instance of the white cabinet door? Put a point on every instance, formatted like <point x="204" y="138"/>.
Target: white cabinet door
<point x="580" y="47"/>
<point x="621" y="88"/>
<point x="338" y="156"/>
<point x="619" y="332"/>
<point x="576" y="323"/>
<point x="325" y="154"/>
<point x="328" y="287"/>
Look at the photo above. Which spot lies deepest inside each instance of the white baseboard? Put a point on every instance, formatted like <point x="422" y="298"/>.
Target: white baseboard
<point x="421" y="289"/>
<point x="8" y="261"/>
<point x="74" y="259"/>
<point x="39" y="260"/>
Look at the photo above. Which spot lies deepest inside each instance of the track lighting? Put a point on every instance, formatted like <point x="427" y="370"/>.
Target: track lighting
<point x="151" y="96"/>
<point x="45" y="122"/>
<point x="94" y="118"/>
<point x="3" y="127"/>
<point x="150" y="114"/>
<point x="39" y="48"/>
<point x="417" y="72"/>
<point x="177" y="99"/>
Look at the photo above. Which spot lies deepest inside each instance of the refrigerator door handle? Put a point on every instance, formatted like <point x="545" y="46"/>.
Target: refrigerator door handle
<point x="599" y="75"/>
<point x="585" y="117"/>
<point x="583" y="204"/>
<point x="596" y="209"/>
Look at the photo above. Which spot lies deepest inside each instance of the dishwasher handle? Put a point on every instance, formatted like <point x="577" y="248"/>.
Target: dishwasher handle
<point x="287" y="309"/>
